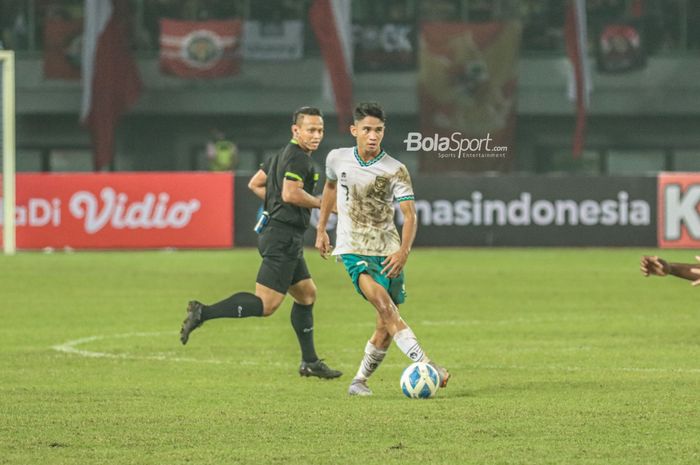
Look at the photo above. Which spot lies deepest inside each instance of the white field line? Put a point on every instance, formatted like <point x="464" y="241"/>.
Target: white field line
<point x="71" y="347"/>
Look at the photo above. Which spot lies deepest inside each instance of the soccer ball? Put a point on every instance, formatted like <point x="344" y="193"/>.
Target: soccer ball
<point x="419" y="381"/>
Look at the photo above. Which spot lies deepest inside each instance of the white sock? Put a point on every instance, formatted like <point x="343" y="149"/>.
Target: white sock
<point x="409" y="345"/>
<point x="370" y="362"/>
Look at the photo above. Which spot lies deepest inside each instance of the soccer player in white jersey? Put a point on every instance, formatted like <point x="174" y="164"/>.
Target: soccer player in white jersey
<point x="365" y="182"/>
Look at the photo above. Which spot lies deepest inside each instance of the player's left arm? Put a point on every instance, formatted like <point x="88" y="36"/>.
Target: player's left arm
<point x="395" y="263"/>
<point x="258" y="184"/>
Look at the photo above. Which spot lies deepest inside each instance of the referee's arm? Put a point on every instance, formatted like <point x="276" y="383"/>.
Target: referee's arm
<point x="293" y="193"/>
<point x="257" y="184"/>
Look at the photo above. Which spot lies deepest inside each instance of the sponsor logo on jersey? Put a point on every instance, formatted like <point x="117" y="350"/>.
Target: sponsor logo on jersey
<point x="381" y="184"/>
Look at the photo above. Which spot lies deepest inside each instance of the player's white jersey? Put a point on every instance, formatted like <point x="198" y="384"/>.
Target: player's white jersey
<point x="366" y="194"/>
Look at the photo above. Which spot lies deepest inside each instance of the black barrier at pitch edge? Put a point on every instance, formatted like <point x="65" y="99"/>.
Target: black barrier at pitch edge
<point x="512" y="211"/>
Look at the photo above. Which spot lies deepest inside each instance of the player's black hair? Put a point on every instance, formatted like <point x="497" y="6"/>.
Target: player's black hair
<point x="369" y="109"/>
<point x="310" y="111"/>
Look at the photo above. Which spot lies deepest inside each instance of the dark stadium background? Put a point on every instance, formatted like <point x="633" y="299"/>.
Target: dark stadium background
<point x="642" y="118"/>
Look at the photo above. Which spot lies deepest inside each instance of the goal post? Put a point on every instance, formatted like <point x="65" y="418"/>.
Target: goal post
<point x="7" y="136"/>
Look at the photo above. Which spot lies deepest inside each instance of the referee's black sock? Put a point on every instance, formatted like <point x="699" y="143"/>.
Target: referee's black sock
<point x="303" y="324"/>
<point x="239" y="305"/>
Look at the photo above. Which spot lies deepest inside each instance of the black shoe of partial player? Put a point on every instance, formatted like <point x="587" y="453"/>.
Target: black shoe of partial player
<point x="319" y="369"/>
<point x="193" y="320"/>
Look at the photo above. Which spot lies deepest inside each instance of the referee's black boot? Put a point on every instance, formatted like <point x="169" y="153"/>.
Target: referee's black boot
<point x="193" y="320"/>
<point x="318" y="369"/>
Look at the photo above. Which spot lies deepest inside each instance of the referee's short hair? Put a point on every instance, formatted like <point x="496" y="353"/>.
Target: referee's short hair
<point x="310" y="111"/>
<point x="369" y="109"/>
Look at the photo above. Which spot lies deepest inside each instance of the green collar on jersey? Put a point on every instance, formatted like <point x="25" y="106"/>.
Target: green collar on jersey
<point x="367" y="163"/>
<point x="294" y="141"/>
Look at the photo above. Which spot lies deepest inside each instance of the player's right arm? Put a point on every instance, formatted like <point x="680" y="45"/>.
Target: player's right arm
<point x="328" y="205"/>
<point x="323" y="242"/>
<point x="656" y="266"/>
<point x="257" y="184"/>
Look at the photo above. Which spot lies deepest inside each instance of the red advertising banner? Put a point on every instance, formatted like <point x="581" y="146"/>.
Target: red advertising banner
<point x="467" y="83"/>
<point x="678" y="210"/>
<point x="124" y="210"/>
<point x="200" y="49"/>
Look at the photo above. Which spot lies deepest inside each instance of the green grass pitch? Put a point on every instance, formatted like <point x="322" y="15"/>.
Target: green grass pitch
<point x="558" y="356"/>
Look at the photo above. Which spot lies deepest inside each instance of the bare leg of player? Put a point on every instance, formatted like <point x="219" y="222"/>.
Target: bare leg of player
<point x="395" y="326"/>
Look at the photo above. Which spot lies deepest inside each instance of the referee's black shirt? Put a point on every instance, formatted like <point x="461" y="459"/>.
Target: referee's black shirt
<point x="294" y="164"/>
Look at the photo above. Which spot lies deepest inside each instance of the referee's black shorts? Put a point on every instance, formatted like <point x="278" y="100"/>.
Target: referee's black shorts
<point x="282" y="250"/>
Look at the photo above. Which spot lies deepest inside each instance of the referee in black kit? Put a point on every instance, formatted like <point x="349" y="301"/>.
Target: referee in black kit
<point x="285" y="182"/>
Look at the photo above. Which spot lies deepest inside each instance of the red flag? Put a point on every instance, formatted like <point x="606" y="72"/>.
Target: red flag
<point x="200" y="49"/>
<point x="577" y="50"/>
<point x="636" y="8"/>
<point x="333" y="34"/>
<point x="467" y="86"/>
<point x="62" y="48"/>
<point x="111" y="82"/>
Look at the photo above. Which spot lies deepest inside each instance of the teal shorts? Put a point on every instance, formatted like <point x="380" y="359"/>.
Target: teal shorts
<point x="358" y="264"/>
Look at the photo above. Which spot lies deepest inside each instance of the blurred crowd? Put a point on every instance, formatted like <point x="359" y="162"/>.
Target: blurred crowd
<point x="666" y="25"/>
